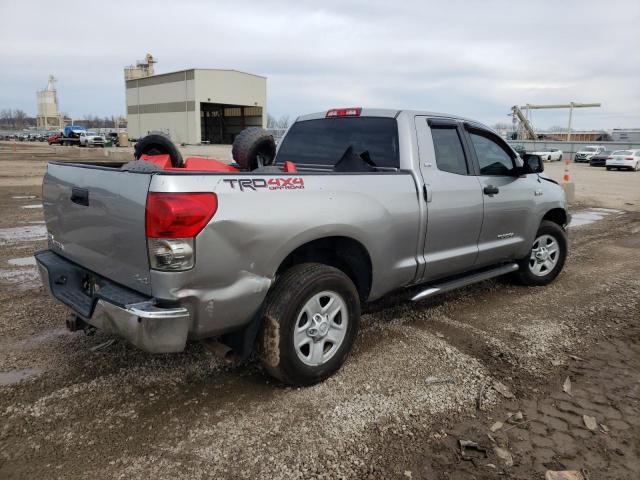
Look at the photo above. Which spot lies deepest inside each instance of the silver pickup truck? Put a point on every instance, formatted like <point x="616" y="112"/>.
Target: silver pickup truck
<point x="277" y="257"/>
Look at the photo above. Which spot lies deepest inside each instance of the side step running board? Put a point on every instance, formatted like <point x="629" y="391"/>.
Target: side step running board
<point x="464" y="281"/>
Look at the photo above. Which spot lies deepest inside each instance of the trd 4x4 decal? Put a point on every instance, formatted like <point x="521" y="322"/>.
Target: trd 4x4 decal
<point x="285" y="183"/>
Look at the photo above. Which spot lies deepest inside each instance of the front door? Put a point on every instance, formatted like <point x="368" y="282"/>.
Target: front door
<point x="508" y="198"/>
<point x="453" y="196"/>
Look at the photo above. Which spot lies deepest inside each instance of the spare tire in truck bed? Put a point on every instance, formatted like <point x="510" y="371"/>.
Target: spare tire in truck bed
<point x="159" y="144"/>
<point x="254" y="148"/>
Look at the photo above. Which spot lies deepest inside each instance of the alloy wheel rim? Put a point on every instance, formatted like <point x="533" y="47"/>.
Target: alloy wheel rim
<point x="320" y="328"/>
<point x="545" y="254"/>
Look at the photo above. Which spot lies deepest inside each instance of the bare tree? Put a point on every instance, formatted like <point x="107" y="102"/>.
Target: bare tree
<point x="278" y="123"/>
<point x="20" y="116"/>
<point x="6" y="118"/>
<point x="502" y="126"/>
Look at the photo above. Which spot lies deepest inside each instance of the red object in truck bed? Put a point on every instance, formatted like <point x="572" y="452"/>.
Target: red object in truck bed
<point x="192" y="164"/>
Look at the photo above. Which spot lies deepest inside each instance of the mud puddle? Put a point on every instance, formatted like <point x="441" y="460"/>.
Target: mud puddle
<point x="586" y="217"/>
<point x="29" y="233"/>
<point x="16" y="376"/>
<point x="22" y="262"/>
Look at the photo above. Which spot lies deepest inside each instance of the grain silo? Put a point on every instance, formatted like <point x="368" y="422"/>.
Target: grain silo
<point x="142" y="68"/>
<point x="48" y="114"/>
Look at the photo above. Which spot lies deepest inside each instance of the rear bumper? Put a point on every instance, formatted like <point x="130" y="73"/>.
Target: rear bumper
<point x="621" y="163"/>
<point x="113" y="308"/>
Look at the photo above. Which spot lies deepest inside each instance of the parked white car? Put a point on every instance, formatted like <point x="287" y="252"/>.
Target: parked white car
<point x="91" y="139"/>
<point x="551" y="154"/>
<point x="627" y="159"/>
<point x="585" y="153"/>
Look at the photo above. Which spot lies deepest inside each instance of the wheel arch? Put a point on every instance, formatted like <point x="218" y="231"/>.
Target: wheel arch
<point x="343" y="253"/>
<point x="557" y="215"/>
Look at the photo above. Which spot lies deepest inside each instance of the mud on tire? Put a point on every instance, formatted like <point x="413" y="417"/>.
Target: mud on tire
<point x="253" y="148"/>
<point x="283" y="315"/>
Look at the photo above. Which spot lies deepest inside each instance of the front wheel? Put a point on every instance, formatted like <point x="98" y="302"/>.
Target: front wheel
<point x="310" y="321"/>
<point x="546" y="257"/>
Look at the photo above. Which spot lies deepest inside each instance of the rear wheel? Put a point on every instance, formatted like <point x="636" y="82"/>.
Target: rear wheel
<point x="546" y="257"/>
<point x="310" y="322"/>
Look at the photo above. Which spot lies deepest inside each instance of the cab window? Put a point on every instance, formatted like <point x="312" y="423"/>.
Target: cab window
<point x="493" y="159"/>
<point x="449" y="153"/>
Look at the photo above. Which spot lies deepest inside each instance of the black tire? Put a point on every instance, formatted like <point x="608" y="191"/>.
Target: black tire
<point x="608" y="169"/>
<point x="525" y="274"/>
<point x="159" y="144"/>
<point x="253" y="148"/>
<point x="284" y="303"/>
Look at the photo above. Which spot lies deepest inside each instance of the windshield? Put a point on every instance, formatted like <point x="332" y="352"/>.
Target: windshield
<point x="324" y="141"/>
<point x="92" y="133"/>
<point x="623" y="152"/>
<point x="589" y="149"/>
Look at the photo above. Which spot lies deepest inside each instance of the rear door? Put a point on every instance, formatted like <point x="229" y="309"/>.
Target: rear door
<point x="508" y="199"/>
<point x="453" y="196"/>
<point x="96" y="218"/>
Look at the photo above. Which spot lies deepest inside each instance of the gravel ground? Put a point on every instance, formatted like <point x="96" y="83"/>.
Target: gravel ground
<point x="72" y="406"/>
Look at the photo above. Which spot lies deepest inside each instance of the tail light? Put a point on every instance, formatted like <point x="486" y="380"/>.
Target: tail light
<point x="609" y="158"/>
<point x="344" y="112"/>
<point x="172" y="222"/>
<point x="628" y="158"/>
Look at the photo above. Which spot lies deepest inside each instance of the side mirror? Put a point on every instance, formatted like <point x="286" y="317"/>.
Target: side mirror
<point x="533" y="163"/>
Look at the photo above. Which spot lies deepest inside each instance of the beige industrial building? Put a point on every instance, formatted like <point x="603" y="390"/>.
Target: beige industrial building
<point x="197" y="105"/>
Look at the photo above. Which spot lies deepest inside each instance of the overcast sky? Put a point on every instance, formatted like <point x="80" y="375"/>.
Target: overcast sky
<point x="474" y="58"/>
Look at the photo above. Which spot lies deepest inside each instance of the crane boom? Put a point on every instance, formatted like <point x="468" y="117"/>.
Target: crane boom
<point x="525" y="123"/>
<point x="561" y="105"/>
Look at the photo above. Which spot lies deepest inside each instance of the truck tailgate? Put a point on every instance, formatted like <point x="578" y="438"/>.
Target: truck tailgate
<point x="96" y="218"/>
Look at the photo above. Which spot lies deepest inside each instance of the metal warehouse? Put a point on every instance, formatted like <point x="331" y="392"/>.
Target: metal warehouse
<point x="197" y="105"/>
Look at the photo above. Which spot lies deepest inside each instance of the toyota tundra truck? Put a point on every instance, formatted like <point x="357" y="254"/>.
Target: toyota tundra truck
<point x="277" y="254"/>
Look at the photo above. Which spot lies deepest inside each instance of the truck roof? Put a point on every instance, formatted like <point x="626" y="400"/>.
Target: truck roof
<point x="392" y="113"/>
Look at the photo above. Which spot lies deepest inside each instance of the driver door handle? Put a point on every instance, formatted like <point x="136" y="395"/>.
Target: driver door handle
<point x="491" y="190"/>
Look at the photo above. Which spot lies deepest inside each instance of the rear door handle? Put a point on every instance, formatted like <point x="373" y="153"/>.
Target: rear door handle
<point x="80" y="196"/>
<point x="491" y="190"/>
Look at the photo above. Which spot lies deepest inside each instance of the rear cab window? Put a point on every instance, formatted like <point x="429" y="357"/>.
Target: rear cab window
<point x="322" y="142"/>
<point x="450" y="155"/>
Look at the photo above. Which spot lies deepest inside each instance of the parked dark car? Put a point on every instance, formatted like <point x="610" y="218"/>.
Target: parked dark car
<point x="600" y="159"/>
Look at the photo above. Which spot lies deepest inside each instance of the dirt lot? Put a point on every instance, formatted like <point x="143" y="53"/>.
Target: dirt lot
<point x="71" y="407"/>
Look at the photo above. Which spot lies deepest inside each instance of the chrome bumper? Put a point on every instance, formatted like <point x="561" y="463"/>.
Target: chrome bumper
<point x="142" y="323"/>
<point x="152" y="329"/>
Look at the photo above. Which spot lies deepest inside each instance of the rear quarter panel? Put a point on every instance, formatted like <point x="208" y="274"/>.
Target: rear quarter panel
<point x="254" y="229"/>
